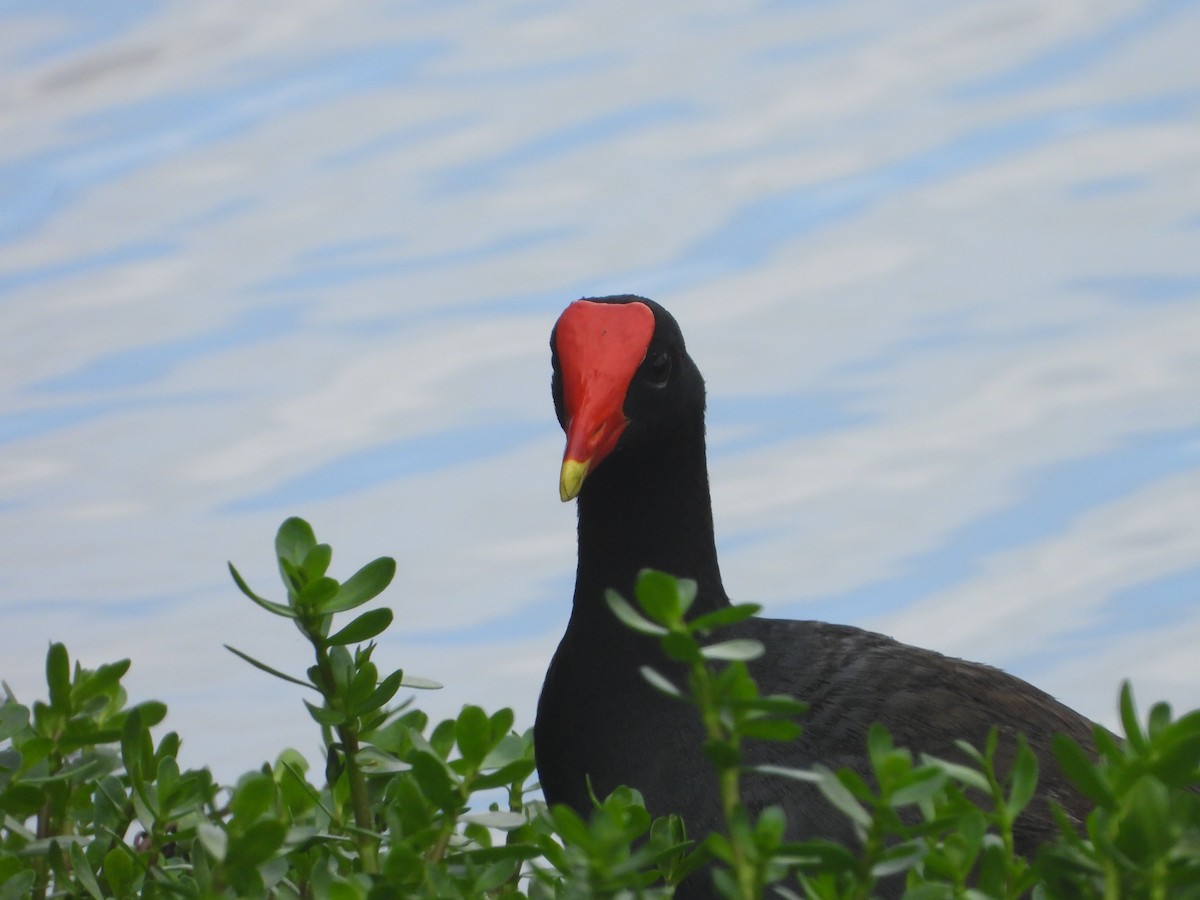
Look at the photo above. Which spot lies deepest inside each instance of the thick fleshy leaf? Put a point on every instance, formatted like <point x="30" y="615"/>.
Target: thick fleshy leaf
<point x="254" y="798"/>
<point x="152" y="712"/>
<point x="1080" y="769"/>
<point x="83" y="871"/>
<point x="664" y="598"/>
<point x="420" y="684"/>
<point x="630" y="616"/>
<point x="774" y="705"/>
<point x="743" y="649"/>
<point x="436" y="781"/>
<point x="265" y="668"/>
<point x="365" y="627"/>
<point x="119" y="871"/>
<point x="1024" y="778"/>
<point x="1129" y="719"/>
<point x="277" y="608"/>
<point x="726" y="615"/>
<point x="382" y="693"/>
<point x="13" y="718"/>
<point x="474" y="734"/>
<point x="316" y="561"/>
<point x="722" y="754"/>
<point x="964" y="775"/>
<point x="99" y="681"/>
<point x="376" y="762"/>
<point x="213" y="839"/>
<point x="661" y="682"/>
<point x="58" y="678"/>
<point x="258" y="843"/>
<point x="294" y="541"/>
<point x="682" y="647"/>
<point x="318" y="594"/>
<point x="366" y="584"/>
<point x="325" y="716"/>
<point x="502" y="819"/>
<point x="805" y="775"/>
<point x="779" y="730"/>
<point x="513" y="773"/>
<point x="840" y="796"/>
<point x="918" y="785"/>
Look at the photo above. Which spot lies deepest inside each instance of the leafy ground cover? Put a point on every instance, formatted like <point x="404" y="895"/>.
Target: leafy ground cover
<point x="94" y="806"/>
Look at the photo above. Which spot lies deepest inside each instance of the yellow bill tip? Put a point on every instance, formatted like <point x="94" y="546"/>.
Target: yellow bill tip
<point x="571" y="480"/>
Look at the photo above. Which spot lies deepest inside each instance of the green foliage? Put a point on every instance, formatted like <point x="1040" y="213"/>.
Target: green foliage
<point x="93" y="806"/>
<point x="943" y="829"/>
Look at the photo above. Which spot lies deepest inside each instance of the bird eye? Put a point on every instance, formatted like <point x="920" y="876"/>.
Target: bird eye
<point x="659" y="371"/>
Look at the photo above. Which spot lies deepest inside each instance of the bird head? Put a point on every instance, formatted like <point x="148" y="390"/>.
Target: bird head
<point x="620" y="371"/>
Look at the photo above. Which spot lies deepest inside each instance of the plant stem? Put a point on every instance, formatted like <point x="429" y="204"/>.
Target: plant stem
<point x="347" y="732"/>
<point x="360" y="802"/>
<point x="731" y="797"/>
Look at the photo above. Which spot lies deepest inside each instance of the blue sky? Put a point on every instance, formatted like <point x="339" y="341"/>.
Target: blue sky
<point x="938" y="265"/>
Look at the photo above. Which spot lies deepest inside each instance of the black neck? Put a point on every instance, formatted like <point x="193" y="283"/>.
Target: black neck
<point x="646" y="508"/>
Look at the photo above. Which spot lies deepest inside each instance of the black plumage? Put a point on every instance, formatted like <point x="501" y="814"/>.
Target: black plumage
<point x="643" y="502"/>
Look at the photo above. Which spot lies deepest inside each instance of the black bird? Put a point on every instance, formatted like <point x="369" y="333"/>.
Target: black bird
<point x="631" y="402"/>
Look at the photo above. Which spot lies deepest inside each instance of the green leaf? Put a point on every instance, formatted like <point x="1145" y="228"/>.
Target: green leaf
<point x="513" y="773"/>
<point x="213" y="839"/>
<point x="258" y="844"/>
<point x="840" y="796"/>
<point x="1024" y="778"/>
<point x="631" y="617"/>
<point x="376" y="762"/>
<point x="722" y="754"/>
<point x="317" y="594"/>
<point x="664" y="598"/>
<point x="22" y="800"/>
<point x="774" y="704"/>
<point x="152" y="713"/>
<point x="13" y="718"/>
<point x="83" y="871"/>
<point x="1158" y="720"/>
<point x="436" y="782"/>
<point x="420" y="684"/>
<point x="265" y="668"/>
<point x="18" y="886"/>
<point x="381" y="695"/>
<point x="965" y="775"/>
<point x="254" y="797"/>
<point x="661" y="682"/>
<point x="58" y="678"/>
<point x="119" y="871"/>
<point x="1079" y="768"/>
<point x="277" y="608"/>
<point x="294" y="541"/>
<point x="365" y="627"/>
<point x="920" y="784"/>
<point x="778" y="730"/>
<point x="806" y="775"/>
<point x="501" y="819"/>
<point x="325" y="716"/>
<point x="135" y="739"/>
<point x="1146" y="833"/>
<point x="474" y="735"/>
<point x="1129" y="720"/>
<point x="743" y="649"/>
<point x="99" y="682"/>
<point x="316" y="561"/>
<point x="681" y="646"/>
<point x="502" y="722"/>
<point x="726" y="615"/>
<point x="366" y="584"/>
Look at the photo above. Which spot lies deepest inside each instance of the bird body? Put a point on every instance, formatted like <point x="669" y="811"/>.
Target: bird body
<point x="636" y="462"/>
